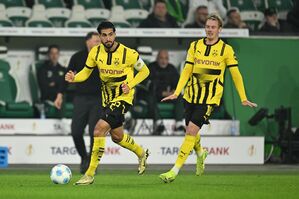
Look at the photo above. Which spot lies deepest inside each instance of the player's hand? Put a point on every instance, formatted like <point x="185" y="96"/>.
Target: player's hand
<point x="58" y="101"/>
<point x="69" y="76"/>
<point x="249" y="103"/>
<point x="125" y="88"/>
<point x="170" y="97"/>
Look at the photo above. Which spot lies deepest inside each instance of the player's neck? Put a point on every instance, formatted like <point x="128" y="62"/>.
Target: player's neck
<point x="211" y="41"/>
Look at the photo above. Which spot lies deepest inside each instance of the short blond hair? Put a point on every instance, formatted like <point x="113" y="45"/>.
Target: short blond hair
<point x="216" y="17"/>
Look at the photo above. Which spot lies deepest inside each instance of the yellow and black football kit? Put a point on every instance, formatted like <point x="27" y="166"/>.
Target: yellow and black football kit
<point x="115" y="68"/>
<point x="203" y="77"/>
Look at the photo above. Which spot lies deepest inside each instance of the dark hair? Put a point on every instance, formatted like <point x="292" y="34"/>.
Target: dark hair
<point x="90" y="34"/>
<point x="105" y="25"/>
<point x="201" y="7"/>
<point x="159" y="1"/>
<point x="230" y="11"/>
<point x="270" y="11"/>
<point x="53" y="46"/>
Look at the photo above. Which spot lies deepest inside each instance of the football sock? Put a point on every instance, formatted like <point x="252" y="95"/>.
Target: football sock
<point x="185" y="150"/>
<point x="129" y="143"/>
<point x="197" y="146"/>
<point x="96" y="155"/>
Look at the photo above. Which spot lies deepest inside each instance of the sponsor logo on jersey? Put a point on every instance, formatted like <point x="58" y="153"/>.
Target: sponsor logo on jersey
<point x="206" y="62"/>
<point x="112" y="71"/>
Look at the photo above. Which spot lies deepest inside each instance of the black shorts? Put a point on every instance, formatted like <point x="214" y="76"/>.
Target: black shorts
<point x="114" y="113"/>
<point x="198" y="114"/>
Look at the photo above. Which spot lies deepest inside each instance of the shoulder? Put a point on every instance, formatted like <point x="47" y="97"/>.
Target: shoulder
<point x="131" y="51"/>
<point x="195" y="43"/>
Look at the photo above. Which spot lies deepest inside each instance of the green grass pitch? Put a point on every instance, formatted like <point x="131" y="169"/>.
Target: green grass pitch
<point x="125" y="184"/>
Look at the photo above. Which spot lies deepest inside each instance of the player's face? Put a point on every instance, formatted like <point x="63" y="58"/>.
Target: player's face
<point x="107" y="37"/>
<point x="212" y="29"/>
<point x="54" y="55"/>
<point x="93" y="41"/>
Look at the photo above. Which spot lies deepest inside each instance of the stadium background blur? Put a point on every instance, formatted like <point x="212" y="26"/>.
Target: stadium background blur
<point x="267" y="61"/>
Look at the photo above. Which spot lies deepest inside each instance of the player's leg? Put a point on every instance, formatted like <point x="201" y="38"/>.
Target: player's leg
<point x="185" y="150"/>
<point x="93" y="118"/>
<point x="119" y="137"/>
<point x="100" y="131"/>
<point x="201" y="155"/>
<point x="79" y="122"/>
<point x="200" y="151"/>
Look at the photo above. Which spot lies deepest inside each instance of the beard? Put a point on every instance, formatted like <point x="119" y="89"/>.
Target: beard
<point x="108" y="45"/>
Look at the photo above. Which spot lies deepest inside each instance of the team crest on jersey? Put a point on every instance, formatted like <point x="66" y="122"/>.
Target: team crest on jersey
<point x="215" y="53"/>
<point x="116" y="61"/>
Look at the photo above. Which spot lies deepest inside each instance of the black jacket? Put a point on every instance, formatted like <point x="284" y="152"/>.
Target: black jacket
<point x="162" y="79"/>
<point x="50" y="79"/>
<point x="152" y="22"/>
<point x="90" y="87"/>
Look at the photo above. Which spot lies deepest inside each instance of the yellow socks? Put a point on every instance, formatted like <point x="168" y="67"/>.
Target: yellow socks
<point x="197" y="147"/>
<point x="129" y="143"/>
<point x="185" y="150"/>
<point x="96" y="155"/>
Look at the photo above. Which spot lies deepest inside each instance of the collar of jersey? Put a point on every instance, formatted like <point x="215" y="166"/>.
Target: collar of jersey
<point x="204" y="41"/>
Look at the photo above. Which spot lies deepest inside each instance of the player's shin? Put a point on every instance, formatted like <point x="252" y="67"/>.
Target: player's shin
<point x="184" y="152"/>
<point x="197" y="146"/>
<point x="96" y="155"/>
<point x="129" y="143"/>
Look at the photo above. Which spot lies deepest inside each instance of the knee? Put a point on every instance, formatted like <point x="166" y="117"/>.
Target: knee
<point x="100" y="130"/>
<point x="116" y="138"/>
<point x="191" y="130"/>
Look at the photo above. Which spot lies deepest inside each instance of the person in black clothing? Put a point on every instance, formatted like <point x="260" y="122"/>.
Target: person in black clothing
<point x="50" y="76"/>
<point x="159" y="18"/>
<point x="234" y="20"/>
<point x="201" y="14"/>
<point x="164" y="78"/>
<point x="272" y="24"/>
<point x="87" y="100"/>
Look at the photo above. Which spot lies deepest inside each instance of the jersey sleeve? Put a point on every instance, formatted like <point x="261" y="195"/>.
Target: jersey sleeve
<point x="190" y="53"/>
<point x="231" y="59"/>
<point x="132" y="57"/>
<point x="91" y="59"/>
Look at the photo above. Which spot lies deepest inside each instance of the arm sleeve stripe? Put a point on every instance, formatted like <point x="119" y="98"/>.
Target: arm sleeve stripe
<point x="234" y="65"/>
<point x="89" y="67"/>
<point x="188" y="62"/>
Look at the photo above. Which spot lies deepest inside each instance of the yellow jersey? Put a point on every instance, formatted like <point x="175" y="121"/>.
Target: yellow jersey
<point x="115" y="68"/>
<point x="207" y="64"/>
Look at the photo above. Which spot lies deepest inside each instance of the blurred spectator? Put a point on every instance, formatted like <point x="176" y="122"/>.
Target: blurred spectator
<point x="200" y="16"/>
<point x="293" y="16"/>
<point x="214" y="6"/>
<point x="164" y="78"/>
<point x="159" y="18"/>
<point x="273" y="24"/>
<point x="234" y="19"/>
<point x="51" y="75"/>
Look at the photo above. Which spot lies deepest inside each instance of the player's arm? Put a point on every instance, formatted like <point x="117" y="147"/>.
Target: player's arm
<point x="185" y="75"/>
<point x="142" y="74"/>
<point x="232" y="64"/>
<point x="86" y="71"/>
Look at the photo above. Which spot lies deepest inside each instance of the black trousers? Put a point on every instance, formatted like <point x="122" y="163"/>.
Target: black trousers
<point x="86" y="111"/>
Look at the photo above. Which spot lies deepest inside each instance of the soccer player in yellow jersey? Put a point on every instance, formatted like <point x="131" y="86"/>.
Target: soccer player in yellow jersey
<point x="116" y="64"/>
<point x="202" y="77"/>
